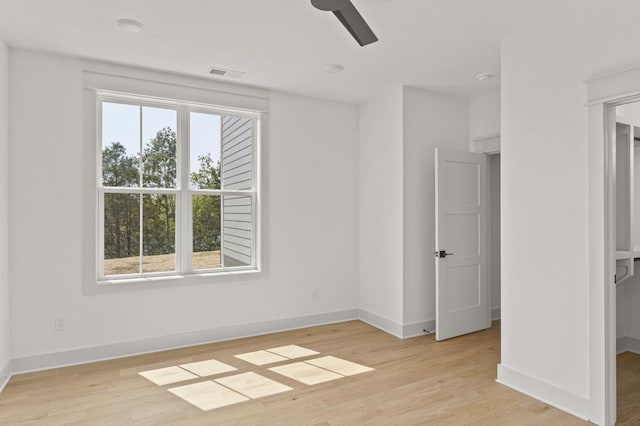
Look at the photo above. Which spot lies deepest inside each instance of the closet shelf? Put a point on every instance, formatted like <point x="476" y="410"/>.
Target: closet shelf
<point x="626" y="254"/>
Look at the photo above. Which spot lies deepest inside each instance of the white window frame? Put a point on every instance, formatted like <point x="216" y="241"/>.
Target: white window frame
<point x="183" y="191"/>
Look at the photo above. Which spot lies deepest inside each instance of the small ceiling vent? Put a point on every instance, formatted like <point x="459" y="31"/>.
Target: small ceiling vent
<point x="226" y="73"/>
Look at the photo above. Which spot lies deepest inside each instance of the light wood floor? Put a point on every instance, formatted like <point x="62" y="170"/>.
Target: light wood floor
<point x="416" y="381"/>
<point x="628" y="389"/>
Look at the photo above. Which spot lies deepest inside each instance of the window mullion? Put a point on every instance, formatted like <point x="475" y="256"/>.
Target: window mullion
<point x="222" y="165"/>
<point x="141" y="224"/>
<point x="185" y="213"/>
<point x="141" y="197"/>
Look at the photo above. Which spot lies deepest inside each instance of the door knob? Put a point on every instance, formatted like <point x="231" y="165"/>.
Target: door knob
<point x="442" y="254"/>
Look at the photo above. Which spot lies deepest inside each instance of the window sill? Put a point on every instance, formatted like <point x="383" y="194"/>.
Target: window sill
<point x="168" y="281"/>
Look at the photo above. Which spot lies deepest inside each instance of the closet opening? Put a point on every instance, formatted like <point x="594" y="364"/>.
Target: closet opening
<point x="626" y="164"/>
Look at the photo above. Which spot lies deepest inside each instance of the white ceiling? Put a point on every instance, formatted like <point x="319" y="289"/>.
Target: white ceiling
<point x="284" y="44"/>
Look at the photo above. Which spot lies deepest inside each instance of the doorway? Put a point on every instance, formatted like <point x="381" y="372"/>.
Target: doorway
<point x="625" y="138"/>
<point x="467" y="242"/>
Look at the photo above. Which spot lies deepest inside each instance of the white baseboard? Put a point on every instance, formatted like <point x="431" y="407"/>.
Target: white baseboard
<point x="400" y="331"/>
<point x="633" y="345"/>
<point x="409" y="330"/>
<point x="628" y="344"/>
<point x="418" y="329"/>
<point x="383" y="324"/>
<point x="155" y="344"/>
<point x="545" y="392"/>
<point x="5" y="375"/>
<point x="496" y="314"/>
<point x="162" y="343"/>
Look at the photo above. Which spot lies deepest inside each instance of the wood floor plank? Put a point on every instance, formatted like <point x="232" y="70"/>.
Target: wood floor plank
<point x="414" y="381"/>
<point x="628" y="387"/>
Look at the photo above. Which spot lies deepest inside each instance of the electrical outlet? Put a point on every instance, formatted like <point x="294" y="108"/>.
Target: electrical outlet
<point x="60" y="323"/>
<point x="315" y="294"/>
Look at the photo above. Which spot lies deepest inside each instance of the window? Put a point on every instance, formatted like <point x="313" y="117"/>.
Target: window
<point x="177" y="188"/>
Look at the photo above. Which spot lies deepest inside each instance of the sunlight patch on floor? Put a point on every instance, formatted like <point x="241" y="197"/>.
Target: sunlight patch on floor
<point x="168" y="375"/>
<point x="208" y="395"/>
<point x="261" y="357"/>
<point x="340" y="366"/>
<point x="306" y="373"/>
<point x="210" y="367"/>
<point x="292" y="351"/>
<point x="253" y="385"/>
<point x="229" y="390"/>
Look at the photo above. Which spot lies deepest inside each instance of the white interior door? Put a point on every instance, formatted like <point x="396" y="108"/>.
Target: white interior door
<point x="462" y="284"/>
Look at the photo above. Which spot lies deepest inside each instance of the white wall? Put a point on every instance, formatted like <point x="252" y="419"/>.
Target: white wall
<point x="5" y="350"/>
<point x="310" y="228"/>
<point x="430" y="120"/>
<point x="398" y="133"/>
<point x="380" y="195"/>
<point x="546" y="178"/>
<point x="484" y="116"/>
<point x="545" y="314"/>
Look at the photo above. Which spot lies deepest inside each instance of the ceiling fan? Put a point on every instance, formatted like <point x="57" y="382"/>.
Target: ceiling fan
<point x="347" y="13"/>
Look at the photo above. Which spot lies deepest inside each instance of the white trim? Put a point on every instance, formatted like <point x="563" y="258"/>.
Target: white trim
<point x="608" y="74"/>
<point x="160" y="85"/>
<point x="418" y="329"/>
<point x="162" y="343"/>
<point x="626" y="97"/>
<point x="608" y="283"/>
<point x="221" y="173"/>
<point x="384" y="324"/>
<point x="602" y="122"/>
<point x="489" y="144"/>
<point x="401" y="331"/>
<point x="576" y="405"/>
<point x="47" y="361"/>
<point x="628" y="344"/>
<point x="137" y="190"/>
<point x="496" y="314"/>
<point x="159" y="280"/>
<point x="5" y="375"/>
<point x="184" y="218"/>
<point x="632" y="344"/>
<point x="406" y="331"/>
<point x="602" y="319"/>
<point x="616" y="86"/>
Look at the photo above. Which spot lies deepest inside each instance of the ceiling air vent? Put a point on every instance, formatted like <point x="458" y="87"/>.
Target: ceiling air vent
<point x="226" y="73"/>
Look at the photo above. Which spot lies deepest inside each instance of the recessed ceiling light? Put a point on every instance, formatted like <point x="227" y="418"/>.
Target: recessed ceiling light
<point x="333" y="68"/>
<point x="130" y="25"/>
<point x="484" y="76"/>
